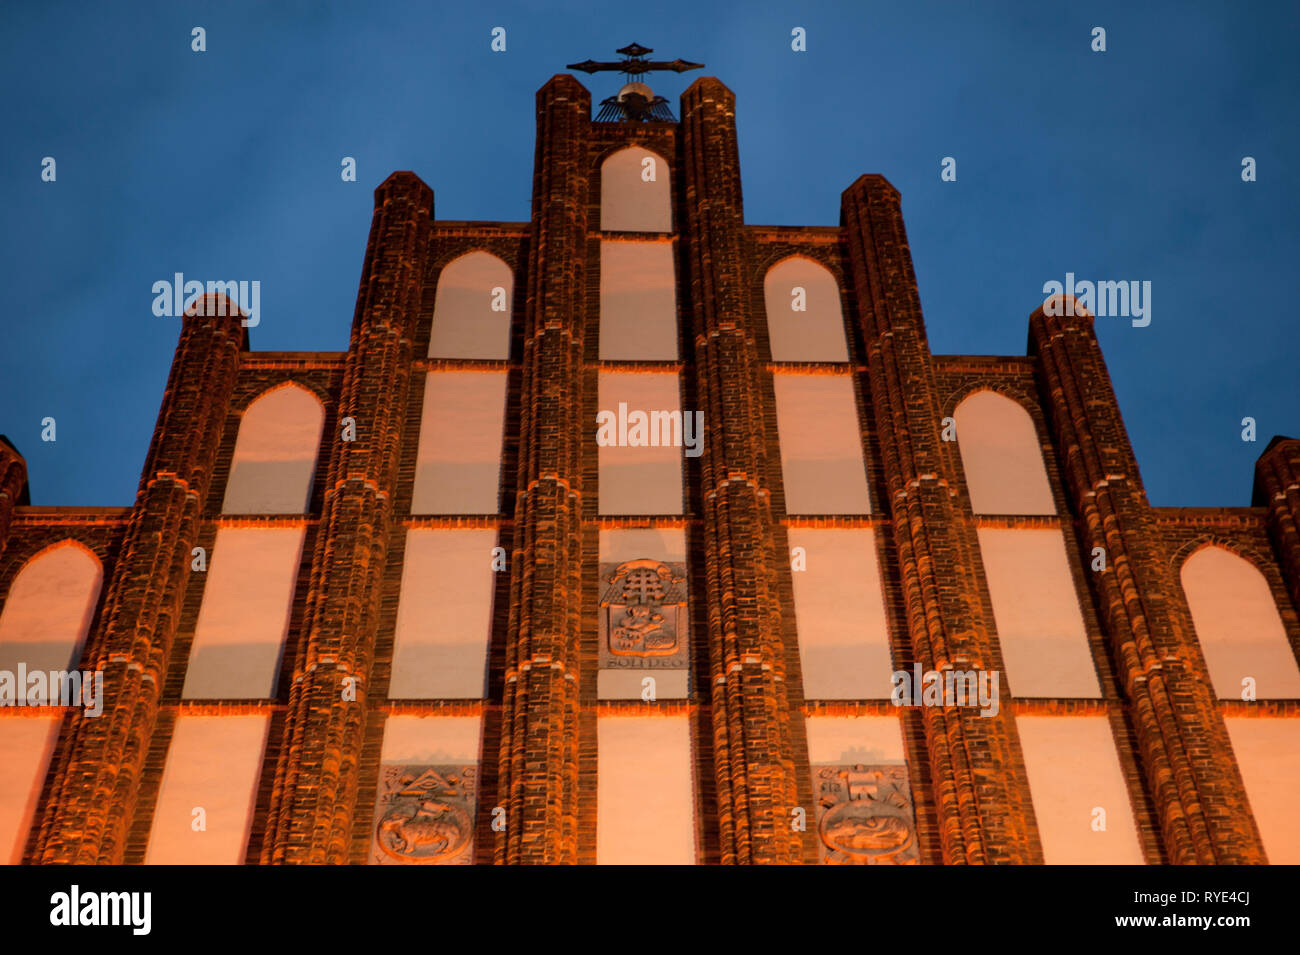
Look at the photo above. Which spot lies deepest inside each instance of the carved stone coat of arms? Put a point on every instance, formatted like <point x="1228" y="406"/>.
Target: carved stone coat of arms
<point x="643" y="622"/>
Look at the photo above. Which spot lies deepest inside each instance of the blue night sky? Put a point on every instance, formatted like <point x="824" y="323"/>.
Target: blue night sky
<point x="225" y="164"/>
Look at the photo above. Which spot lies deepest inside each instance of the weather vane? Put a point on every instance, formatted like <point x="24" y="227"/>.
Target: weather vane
<point x="635" y="102"/>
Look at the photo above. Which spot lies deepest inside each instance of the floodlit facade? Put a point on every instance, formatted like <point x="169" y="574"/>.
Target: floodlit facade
<point x="637" y="533"/>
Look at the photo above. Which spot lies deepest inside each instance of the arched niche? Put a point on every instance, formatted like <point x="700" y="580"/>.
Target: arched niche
<point x="1241" y="632"/>
<point x="275" y="453"/>
<point x="471" y="312"/>
<point x="1001" y="456"/>
<point x="804" y="320"/>
<point x="635" y="192"/>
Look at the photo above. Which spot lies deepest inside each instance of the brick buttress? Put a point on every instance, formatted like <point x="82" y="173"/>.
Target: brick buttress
<point x="13" y="478"/>
<point x="1277" y="487"/>
<point x="981" y="797"/>
<point x="753" y="748"/>
<point x="93" y="798"/>
<point x="1183" y="746"/>
<point x="539" y="755"/>
<point x="313" y="801"/>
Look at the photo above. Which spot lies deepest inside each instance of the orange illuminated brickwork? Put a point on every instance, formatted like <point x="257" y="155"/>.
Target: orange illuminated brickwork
<point x="615" y="536"/>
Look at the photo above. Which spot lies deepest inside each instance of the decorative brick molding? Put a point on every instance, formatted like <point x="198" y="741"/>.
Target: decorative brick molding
<point x="753" y="749"/>
<point x="93" y="799"/>
<point x="982" y="800"/>
<point x="1183" y="745"/>
<point x="313" y="801"/>
<point x="538" y="781"/>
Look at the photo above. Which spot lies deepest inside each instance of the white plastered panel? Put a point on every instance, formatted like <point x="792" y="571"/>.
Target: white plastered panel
<point x="444" y="615"/>
<point x="1241" y="632"/>
<point x="821" y="445"/>
<point x="840" y="612"/>
<point x="1040" y="626"/>
<point x="275" y="454"/>
<point x="213" y="765"/>
<point x="1074" y="772"/>
<point x="458" y="465"/>
<point x="814" y="333"/>
<point x="645" y="801"/>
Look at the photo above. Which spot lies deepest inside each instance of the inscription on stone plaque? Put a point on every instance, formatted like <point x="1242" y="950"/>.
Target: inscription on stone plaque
<point x="424" y="815"/>
<point x="865" y="815"/>
<point x="643" y="623"/>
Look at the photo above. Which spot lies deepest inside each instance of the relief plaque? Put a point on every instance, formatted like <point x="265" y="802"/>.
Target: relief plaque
<point x="865" y="815"/>
<point x="424" y="815"/>
<point x="643" y="623"/>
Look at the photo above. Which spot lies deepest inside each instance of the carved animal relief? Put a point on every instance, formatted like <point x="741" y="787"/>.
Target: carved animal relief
<point x="425" y="815"/>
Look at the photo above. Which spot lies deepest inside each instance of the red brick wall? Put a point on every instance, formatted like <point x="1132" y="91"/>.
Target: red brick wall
<point x="747" y="708"/>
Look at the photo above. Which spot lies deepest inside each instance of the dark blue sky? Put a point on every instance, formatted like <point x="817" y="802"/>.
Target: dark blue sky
<point x="225" y="164"/>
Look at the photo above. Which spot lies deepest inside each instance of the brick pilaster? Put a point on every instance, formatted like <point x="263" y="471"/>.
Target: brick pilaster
<point x="1183" y="745"/>
<point x="1277" y="487"/>
<point x="13" y="478"/>
<point x="313" y="801"/>
<point x="91" y="804"/>
<point x="753" y="748"/>
<point x="539" y="728"/>
<point x="983" y="815"/>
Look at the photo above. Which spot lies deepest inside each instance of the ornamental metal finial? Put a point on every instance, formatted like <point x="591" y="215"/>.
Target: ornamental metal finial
<point x="635" y="102"/>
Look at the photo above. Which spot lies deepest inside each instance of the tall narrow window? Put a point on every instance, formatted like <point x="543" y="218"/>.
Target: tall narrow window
<point x="275" y="453"/>
<point x="1001" y="456"/>
<point x="635" y="192"/>
<point x="804" y="321"/>
<point x="48" y="611"/>
<point x="471" y="313"/>
<point x="43" y="627"/>
<point x="1240" y="630"/>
